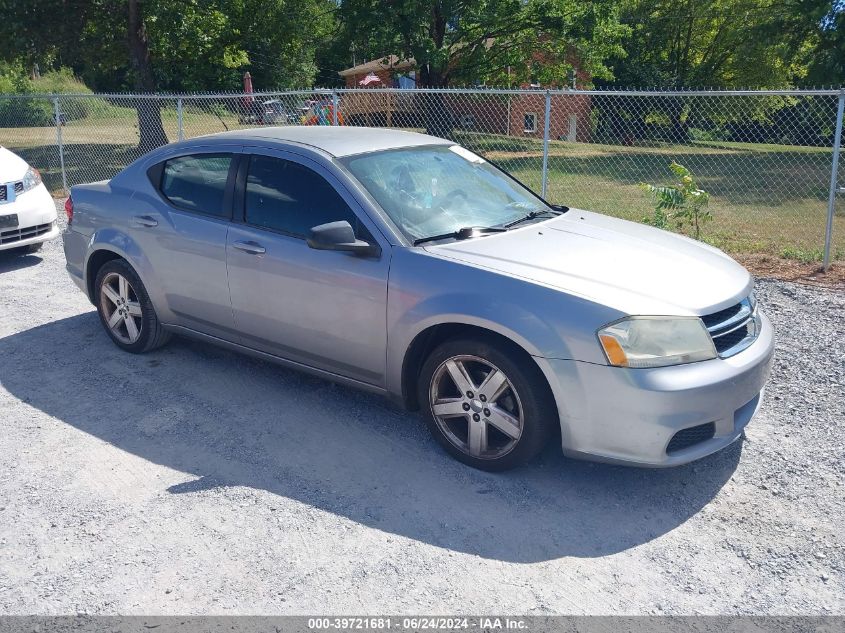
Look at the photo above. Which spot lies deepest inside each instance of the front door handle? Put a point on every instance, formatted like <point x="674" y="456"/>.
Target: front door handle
<point x="253" y="248"/>
<point x="144" y="220"/>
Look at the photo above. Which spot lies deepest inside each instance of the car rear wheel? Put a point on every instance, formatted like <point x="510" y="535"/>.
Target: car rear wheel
<point x="487" y="404"/>
<point x="125" y="309"/>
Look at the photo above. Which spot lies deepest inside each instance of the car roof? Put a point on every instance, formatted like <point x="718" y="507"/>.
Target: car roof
<point x="338" y="141"/>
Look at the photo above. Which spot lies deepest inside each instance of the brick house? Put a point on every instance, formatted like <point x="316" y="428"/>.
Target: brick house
<point x="520" y="115"/>
<point x="385" y="69"/>
<point x="569" y="120"/>
<point x="569" y="113"/>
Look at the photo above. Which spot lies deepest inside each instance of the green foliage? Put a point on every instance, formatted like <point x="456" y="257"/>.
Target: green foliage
<point x="496" y="42"/>
<point x="721" y="43"/>
<point x="194" y="45"/>
<point x="681" y="204"/>
<point x="810" y="255"/>
<point x="826" y="53"/>
<point x="206" y="45"/>
<point x="37" y="111"/>
<point x="711" y="135"/>
<point x="20" y="112"/>
<point x="61" y="81"/>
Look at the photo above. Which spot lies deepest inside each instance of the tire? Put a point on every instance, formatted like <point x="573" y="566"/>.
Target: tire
<point x="511" y="432"/>
<point x="125" y="304"/>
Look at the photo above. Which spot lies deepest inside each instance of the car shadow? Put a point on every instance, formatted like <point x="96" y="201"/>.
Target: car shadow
<point x="227" y="420"/>
<point x="11" y="260"/>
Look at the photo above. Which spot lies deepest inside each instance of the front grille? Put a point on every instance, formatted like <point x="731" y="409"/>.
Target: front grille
<point x="17" y="188"/>
<point x="691" y="436"/>
<point x="732" y="329"/>
<point x="712" y="320"/>
<point x="16" y="235"/>
<point x="731" y="339"/>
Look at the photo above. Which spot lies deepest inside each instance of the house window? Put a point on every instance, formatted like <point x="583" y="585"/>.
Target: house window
<point x="530" y="122"/>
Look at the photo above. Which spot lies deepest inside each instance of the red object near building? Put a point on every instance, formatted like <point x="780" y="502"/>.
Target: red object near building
<point x="248" y="99"/>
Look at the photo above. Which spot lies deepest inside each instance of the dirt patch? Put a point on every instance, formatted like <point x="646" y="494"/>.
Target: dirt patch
<point x="812" y="274"/>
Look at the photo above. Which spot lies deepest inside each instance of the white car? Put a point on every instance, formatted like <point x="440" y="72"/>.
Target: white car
<point x="27" y="210"/>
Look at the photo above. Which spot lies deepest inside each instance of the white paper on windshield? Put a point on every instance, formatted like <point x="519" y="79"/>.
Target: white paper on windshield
<point x="466" y="154"/>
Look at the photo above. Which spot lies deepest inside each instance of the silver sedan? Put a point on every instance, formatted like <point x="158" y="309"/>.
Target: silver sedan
<point x="407" y="265"/>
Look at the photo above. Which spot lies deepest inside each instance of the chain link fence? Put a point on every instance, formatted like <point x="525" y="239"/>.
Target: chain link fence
<point x="767" y="158"/>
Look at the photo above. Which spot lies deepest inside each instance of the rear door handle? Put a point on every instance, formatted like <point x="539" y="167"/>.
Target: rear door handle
<point x="144" y="220"/>
<point x="253" y="248"/>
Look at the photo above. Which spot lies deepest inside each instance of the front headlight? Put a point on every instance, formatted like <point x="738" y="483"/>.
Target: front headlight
<point x="31" y="179"/>
<point x="656" y="341"/>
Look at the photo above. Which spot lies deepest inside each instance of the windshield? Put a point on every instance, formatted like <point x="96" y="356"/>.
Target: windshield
<point x="438" y="189"/>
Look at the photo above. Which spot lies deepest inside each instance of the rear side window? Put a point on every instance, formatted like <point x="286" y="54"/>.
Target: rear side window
<point x="197" y="183"/>
<point x="287" y="197"/>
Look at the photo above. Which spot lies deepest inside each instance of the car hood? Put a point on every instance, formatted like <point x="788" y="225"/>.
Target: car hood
<point x="631" y="267"/>
<point x="12" y="166"/>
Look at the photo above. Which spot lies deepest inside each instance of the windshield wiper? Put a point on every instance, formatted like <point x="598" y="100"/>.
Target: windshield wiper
<point x="462" y="234"/>
<point x="531" y="215"/>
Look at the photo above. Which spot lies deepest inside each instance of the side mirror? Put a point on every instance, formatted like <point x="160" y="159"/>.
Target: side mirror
<point x="339" y="236"/>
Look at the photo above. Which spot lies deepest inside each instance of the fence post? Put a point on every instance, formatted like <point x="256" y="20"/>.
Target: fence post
<point x="546" y="142"/>
<point x="834" y="176"/>
<point x="334" y="107"/>
<point x="57" y="115"/>
<point x="179" y="124"/>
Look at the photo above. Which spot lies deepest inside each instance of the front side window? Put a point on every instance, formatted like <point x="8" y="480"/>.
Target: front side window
<point x="437" y="189"/>
<point x="530" y="122"/>
<point x="284" y="196"/>
<point x="197" y="183"/>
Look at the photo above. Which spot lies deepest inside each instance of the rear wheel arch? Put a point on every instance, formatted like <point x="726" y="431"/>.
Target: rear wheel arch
<point x="96" y="261"/>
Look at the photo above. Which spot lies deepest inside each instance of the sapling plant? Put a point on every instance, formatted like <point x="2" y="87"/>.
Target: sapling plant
<point x="682" y="204"/>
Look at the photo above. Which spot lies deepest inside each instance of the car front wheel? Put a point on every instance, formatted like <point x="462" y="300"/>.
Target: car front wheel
<point x="486" y="403"/>
<point x="125" y="309"/>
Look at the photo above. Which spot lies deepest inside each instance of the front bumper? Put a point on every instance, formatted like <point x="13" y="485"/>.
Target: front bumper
<point x="36" y="213"/>
<point x="630" y="415"/>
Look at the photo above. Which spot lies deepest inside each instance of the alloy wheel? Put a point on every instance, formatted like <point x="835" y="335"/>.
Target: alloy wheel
<point x="121" y="308"/>
<point x="476" y="407"/>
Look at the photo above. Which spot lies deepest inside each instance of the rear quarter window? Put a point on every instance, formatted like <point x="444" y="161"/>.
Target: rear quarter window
<point x="197" y="183"/>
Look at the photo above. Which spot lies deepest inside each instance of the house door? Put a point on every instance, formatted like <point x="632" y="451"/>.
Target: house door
<point x="573" y="128"/>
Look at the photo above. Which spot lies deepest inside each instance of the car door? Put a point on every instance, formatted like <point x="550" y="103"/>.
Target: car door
<point x="183" y="235"/>
<point x="325" y="309"/>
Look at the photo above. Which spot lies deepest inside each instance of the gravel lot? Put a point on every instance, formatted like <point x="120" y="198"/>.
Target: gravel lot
<point x="195" y="481"/>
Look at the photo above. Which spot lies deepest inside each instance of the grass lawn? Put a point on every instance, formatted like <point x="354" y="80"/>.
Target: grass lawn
<point x="765" y="198"/>
<point x="97" y="148"/>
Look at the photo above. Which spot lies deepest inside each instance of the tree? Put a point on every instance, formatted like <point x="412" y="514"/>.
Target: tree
<point x="150" y="129"/>
<point x="160" y="45"/>
<point x="465" y="41"/>
<point x="714" y="43"/>
<point x="682" y="202"/>
<point x="471" y="42"/>
<point x="711" y="43"/>
<point x="827" y="59"/>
